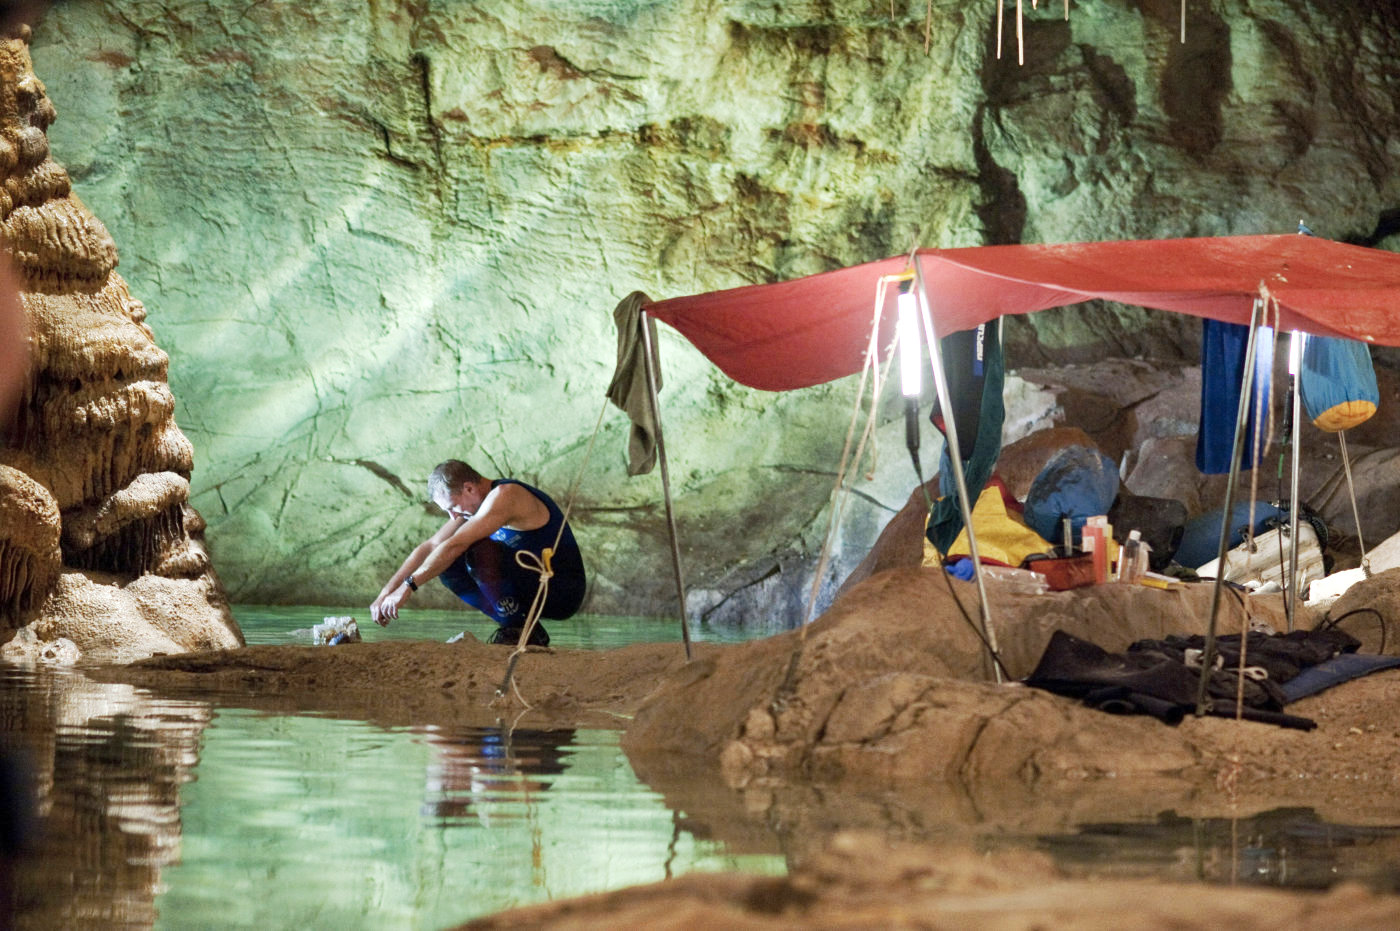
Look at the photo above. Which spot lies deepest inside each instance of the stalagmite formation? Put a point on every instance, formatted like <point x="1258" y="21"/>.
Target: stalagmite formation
<point x="94" y="473"/>
<point x="29" y="554"/>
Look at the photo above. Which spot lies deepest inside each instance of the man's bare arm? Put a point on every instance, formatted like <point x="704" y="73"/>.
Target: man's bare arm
<point x="503" y="505"/>
<point x="414" y="560"/>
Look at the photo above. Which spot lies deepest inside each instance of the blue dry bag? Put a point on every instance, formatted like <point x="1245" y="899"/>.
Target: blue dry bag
<point x="1337" y="383"/>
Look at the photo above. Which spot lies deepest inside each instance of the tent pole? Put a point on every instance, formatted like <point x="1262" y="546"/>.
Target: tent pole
<point x="647" y="355"/>
<point x="1241" y="421"/>
<point x="950" y="426"/>
<point x="1292" y="594"/>
<point x="1351" y="492"/>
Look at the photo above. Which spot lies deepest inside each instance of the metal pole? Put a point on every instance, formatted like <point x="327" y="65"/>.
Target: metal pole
<point x="1241" y="421"/>
<point x="1355" y="513"/>
<point x="950" y="426"/>
<point x="665" y="477"/>
<point x="1292" y="595"/>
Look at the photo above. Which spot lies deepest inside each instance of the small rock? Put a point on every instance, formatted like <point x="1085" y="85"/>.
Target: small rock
<point x="758" y="725"/>
<point x="60" y="652"/>
<point x="734" y="764"/>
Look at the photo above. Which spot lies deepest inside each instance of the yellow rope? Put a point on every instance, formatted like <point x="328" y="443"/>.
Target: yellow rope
<point x="849" y="462"/>
<point x="542" y="564"/>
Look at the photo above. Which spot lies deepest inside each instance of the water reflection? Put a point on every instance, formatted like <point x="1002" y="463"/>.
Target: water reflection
<point x="490" y="774"/>
<point x="192" y="812"/>
<point x="331" y="823"/>
<point x="179" y="813"/>
<point x="105" y="765"/>
<point x="1290" y="847"/>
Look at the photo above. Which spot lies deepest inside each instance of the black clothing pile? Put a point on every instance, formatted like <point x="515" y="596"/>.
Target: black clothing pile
<point x="1162" y="677"/>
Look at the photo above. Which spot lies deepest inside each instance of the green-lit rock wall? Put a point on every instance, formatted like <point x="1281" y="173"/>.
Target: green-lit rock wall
<point x="375" y="235"/>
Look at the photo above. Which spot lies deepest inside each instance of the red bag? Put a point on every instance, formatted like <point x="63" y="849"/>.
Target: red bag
<point x="1063" y="572"/>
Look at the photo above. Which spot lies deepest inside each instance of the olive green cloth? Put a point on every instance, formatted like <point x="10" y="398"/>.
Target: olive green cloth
<point x="629" y="383"/>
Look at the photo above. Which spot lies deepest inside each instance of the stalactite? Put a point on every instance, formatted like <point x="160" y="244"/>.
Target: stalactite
<point x="17" y="594"/>
<point x="136" y="548"/>
<point x="185" y="559"/>
<point x="59" y="245"/>
<point x="30" y="559"/>
<point x="92" y="335"/>
<point x="144" y="498"/>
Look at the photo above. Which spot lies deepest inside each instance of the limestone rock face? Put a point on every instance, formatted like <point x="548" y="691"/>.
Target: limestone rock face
<point x="98" y="542"/>
<point x="374" y="236"/>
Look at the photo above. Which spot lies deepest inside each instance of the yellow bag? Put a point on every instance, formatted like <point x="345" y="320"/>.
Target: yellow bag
<point x="1001" y="535"/>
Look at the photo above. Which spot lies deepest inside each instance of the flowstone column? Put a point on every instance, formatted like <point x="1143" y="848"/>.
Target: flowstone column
<point x="98" y="542"/>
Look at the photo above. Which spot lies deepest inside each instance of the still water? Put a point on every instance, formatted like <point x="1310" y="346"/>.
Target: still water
<point x="180" y="813"/>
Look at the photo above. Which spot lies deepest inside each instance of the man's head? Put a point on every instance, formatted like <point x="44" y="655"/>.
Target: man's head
<point x="457" y="488"/>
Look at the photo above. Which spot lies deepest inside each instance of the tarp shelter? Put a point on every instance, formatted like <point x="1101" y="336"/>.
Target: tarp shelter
<point x="799" y="333"/>
<point x="811" y="330"/>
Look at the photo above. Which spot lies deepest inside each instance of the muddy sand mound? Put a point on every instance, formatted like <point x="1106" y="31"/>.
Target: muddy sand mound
<point x="882" y="696"/>
<point x="862" y="880"/>
<point x="414" y="682"/>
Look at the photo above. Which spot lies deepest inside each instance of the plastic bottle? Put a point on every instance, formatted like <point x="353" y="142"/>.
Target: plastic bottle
<point x="1095" y="543"/>
<point x="1129" y="568"/>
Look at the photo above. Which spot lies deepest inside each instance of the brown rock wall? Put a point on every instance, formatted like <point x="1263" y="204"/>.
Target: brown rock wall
<point x="93" y="459"/>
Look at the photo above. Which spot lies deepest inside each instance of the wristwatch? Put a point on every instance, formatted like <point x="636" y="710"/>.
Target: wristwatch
<point x="413" y="586"/>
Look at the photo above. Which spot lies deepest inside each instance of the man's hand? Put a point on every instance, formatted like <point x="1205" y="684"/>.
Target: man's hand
<point x="386" y="607"/>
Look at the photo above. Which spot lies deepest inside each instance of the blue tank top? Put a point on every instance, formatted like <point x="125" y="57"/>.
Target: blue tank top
<point x="567" y="558"/>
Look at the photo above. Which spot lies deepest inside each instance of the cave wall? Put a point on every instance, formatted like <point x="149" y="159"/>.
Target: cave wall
<point x="98" y="542"/>
<point x="373" y="236"/>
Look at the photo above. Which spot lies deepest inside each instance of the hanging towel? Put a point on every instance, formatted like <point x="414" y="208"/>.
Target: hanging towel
<point x="946" y="521"/>
<point x="628" y="390"/>
<point x="1337" y="383"/>
<point x="965" y="369"/>
<point x="1223" y="348"/>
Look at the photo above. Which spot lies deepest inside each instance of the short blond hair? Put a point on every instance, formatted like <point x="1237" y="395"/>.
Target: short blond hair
<point x="450" y="476"/>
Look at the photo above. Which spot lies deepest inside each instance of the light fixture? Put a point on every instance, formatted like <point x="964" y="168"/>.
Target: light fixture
<point x="910" y="363"/>
<point x="910" y="348"/>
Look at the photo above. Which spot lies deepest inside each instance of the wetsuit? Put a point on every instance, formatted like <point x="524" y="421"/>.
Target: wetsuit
<point x="488" y="578"/>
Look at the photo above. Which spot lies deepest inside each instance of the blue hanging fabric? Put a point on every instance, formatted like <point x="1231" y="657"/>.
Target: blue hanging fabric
<point x="1337" y="383"/>
<point x="1223" y="350"/>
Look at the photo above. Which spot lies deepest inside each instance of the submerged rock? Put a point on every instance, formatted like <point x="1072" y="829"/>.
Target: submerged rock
<point x="26" y="647"/>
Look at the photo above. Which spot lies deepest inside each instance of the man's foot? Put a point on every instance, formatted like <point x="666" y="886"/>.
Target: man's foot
<point x="510" y="636"/>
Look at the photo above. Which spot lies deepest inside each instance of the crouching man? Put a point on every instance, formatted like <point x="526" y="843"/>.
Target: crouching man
<point x="489" y="522"/>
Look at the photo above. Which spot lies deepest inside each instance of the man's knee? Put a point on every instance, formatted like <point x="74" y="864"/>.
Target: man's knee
<point x="565" y="597"/>
<point x="488" y="560"/>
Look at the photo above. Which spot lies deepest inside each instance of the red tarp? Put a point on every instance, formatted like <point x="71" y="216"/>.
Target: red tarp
<point x="794" y="334"/>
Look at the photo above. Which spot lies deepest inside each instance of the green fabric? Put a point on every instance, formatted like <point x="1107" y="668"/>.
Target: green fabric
<point x="628" y="390"/>
<point x="946" y="519"/>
